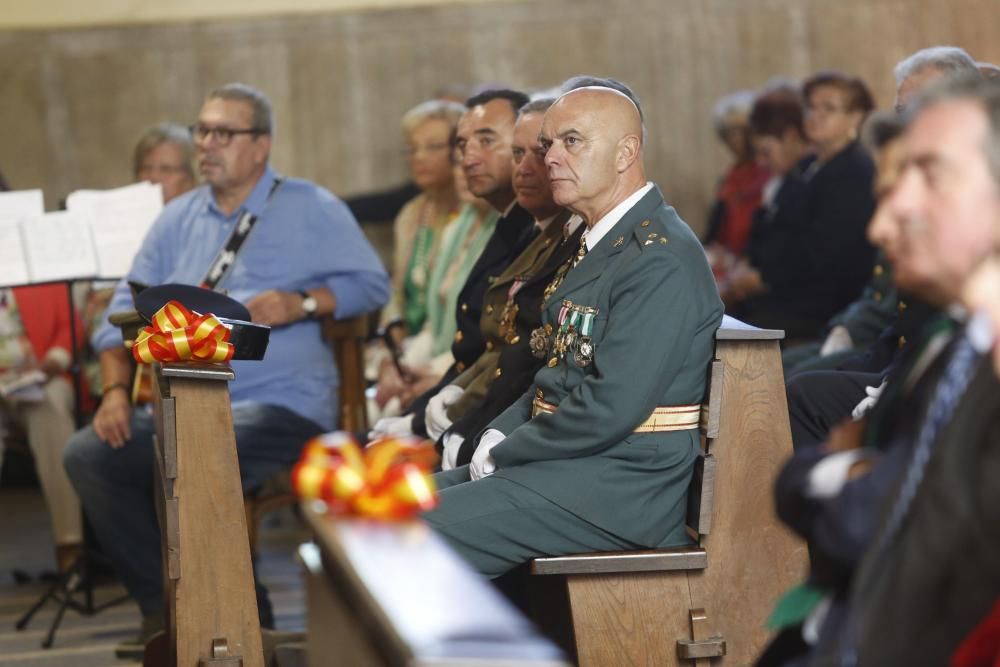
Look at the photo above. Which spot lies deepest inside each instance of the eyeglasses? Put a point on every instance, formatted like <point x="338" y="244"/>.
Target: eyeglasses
<point x="160" y="170"/>
<point x="220" y="135"/>
<point x="825" y="109"/>
<point x="414" y="151"/>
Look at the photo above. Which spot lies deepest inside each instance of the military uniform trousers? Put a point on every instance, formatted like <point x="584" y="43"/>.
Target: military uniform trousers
<point x="501" y="524"/>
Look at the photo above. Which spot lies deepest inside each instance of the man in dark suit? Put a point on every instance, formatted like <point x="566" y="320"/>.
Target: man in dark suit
<point x="512" y="307"/>
<point x="598" y="454"/>
<point x="930" y="566"/>
<point x="933" y="569"/>
<point x="483" y="142"/>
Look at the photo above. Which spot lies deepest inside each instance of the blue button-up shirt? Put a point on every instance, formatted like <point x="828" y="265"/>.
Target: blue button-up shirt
<point x="304" y="238"/>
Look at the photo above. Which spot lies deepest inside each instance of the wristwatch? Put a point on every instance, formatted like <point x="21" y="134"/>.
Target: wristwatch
<point x="309" y="304"/>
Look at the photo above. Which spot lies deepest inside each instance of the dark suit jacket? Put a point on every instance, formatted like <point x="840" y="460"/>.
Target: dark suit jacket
<point x="511" y="236"/>
<point x="840" y="529"/>
<point x="939" y="576"/>
<point x="811" y="250"/>
<point x="516" y="363"/>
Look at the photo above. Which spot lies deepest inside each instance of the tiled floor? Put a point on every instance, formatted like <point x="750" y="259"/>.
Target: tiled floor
<point x="26" y="545"/>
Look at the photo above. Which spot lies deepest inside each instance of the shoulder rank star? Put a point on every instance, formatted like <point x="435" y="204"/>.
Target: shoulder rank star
<point x="619" y="241"/>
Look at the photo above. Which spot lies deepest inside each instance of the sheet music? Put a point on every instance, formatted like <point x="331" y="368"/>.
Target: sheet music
<point x="13" y="267"/>
<point x="119" y="220"/>
<point x="21" y="203"/>
<point x="58" y="246"/>
<point x="14" y="206"/>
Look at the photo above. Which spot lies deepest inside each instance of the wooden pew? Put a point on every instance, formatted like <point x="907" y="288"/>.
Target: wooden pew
<point x="703" y="604"/>
<point x="209" y="588"/>
<point x="395" y="594"/>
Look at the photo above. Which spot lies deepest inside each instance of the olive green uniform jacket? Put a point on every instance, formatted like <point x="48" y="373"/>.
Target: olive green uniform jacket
<point x="653" y="337"/>
<point x="529" y="266"/>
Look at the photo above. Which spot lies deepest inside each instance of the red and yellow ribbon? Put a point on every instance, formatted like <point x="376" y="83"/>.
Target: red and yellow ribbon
<point x="179" y="334"/>
<point x="388" y="480"/>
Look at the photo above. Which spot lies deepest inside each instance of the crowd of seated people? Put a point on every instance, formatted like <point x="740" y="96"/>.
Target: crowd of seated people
<point x="535" y="264"/>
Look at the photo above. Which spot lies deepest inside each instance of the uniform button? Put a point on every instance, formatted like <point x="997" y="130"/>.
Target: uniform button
<point x="515" y="340"/>
<point x="499" y="372"/>
<point x="879" y="270"/>
<point x="877" y="296"/>
<point x="492" y="279"/>
<point x="458" y="336"/>
<point x="489" y="345"/>
<point x="902" y="341"/>
<point x="902" y="306"/>
<point x="489" y="309"/>
<point x="459" y="366"/>
<point x="645" y="223"/>
<point x="539" y="394"/>
<point x="465" y="307"/>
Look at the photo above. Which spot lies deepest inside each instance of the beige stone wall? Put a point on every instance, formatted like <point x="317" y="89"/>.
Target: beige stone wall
<point x="73" y="100"/>
<point x="20" y="14"/>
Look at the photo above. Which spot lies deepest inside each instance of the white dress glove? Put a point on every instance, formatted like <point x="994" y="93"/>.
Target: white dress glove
<point x="482" y="464"/>
<point x="868" y="402"/>
<point x="452" y="443"/>
<point x="388" y="427"/>
<point x="436" y="415"/>
<point x="838" y="340"/>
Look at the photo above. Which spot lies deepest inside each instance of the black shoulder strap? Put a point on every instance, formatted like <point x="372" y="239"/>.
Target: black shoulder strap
<point x="226" y="257"/>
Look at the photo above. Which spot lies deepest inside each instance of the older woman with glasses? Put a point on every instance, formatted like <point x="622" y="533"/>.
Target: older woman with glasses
<point x="164" y="154"/>
<point x="418" y="229"/>
<point x="428" y="128"/>
<point x="818" y="259"/>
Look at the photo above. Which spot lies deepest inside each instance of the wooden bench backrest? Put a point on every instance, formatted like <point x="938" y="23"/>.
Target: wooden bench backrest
<point x="347" y="337"/>
<point x="702" y="489"/>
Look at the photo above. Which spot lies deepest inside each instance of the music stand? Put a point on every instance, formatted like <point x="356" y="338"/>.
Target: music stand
<point x="78" y="579"/>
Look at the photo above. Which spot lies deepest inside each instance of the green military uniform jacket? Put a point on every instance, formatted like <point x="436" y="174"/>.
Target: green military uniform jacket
<point x="876" y="308"/>
<point x="657" y="311"/>
<point x="476" y="379"/>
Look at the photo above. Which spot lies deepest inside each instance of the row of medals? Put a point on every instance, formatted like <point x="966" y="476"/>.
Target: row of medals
<point x="572" y="334"/>
<point x="575" y="324"/>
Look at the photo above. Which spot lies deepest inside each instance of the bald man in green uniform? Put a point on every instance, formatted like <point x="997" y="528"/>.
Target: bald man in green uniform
<point x="598" y="454"/>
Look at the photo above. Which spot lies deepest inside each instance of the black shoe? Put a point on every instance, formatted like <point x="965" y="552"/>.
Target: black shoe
<point x="133" y="649"/>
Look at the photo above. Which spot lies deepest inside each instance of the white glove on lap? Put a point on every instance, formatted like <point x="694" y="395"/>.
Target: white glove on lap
<point x="838" y="340"/>
<point x="867" y="403"/>
<point x="392" y="427"/>
<point x="482" y="464"/>
<point x="436" y="415"/>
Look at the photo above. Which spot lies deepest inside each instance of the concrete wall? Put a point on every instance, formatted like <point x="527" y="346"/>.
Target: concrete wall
<point x="72" y="101"/>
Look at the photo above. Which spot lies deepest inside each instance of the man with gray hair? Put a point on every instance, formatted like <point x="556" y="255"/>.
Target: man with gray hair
<point x="915" y="72"/>
<point x="932" y="570"/>
<point x="306" y="258"/>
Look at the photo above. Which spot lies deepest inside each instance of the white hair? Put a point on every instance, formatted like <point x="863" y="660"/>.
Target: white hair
<point x="947" y="59"/>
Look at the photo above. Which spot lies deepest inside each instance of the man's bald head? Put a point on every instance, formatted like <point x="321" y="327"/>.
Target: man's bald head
<point x="592" y="138"/>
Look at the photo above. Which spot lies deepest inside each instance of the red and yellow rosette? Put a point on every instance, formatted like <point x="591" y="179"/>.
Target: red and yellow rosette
<point x="389" y="480"/>
<point x="179" y="334"/>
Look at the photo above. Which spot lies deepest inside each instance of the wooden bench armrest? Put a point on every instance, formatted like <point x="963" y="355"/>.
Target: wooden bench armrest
<point x="649" y="560"/>
<point x="129" y="321"/>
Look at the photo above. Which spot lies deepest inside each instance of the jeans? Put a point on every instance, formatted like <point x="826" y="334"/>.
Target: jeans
<point x="116" y="488"/>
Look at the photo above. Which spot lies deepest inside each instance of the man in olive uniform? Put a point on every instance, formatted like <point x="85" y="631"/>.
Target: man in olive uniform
<point x="598" y="454"/>
<point x="513" y="304"/>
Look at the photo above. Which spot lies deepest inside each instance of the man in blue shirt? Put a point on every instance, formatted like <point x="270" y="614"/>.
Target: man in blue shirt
<point x="306" y="257"/>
